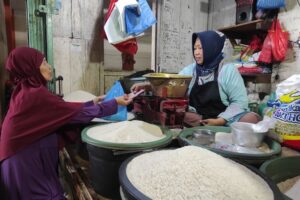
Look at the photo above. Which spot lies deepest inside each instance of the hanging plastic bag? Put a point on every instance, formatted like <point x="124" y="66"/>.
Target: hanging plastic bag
<point x="138" y="20"/>
<point x="128" y="46"/>
<point x="265" y="55"/>
<point x="115" y="91"/>
<point x="279" y="41"/>
<point x="121" y="5"/>
<point x="270" y="4"/>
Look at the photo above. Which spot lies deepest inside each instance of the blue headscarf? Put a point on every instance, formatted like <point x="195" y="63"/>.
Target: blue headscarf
<point x="212" y="45"/>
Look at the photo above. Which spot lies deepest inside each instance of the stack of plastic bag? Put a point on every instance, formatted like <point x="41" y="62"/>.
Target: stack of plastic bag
<point x="126" y="20"/>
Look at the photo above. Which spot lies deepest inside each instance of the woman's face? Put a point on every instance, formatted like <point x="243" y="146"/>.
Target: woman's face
<point x="198" y="52"/>
<point x="46" y="70"/>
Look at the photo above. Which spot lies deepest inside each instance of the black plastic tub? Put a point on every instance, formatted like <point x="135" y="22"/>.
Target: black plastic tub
<point x="130" y="192"/>
<point x="104" y="166"/>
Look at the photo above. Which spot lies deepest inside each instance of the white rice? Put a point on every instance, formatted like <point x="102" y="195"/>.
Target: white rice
<point x="79" y="96"/>
<point x="194" y="173"/>
<point x="126" y="132"/>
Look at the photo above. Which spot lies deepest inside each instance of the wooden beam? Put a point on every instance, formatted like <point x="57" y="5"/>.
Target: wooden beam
<point x="10" y="26"/>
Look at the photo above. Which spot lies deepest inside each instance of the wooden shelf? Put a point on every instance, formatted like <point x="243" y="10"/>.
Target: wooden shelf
<point x="257" y="78"/>
<point x="246" y="30"/>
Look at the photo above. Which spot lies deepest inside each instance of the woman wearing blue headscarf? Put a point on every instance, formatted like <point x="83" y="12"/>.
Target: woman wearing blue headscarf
<point x="217" y="94"/>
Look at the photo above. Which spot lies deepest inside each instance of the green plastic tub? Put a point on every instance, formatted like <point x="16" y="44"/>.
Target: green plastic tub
<point x="281" y="169"/>
<point x="253" y="159"/>
<point x="105" y="159"/>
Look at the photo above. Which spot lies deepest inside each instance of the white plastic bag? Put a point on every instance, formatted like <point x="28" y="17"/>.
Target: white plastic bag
<point x="288" y="85"/>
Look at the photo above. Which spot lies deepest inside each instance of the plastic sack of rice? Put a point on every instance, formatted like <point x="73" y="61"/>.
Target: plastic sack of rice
<point x="287" y="113"/>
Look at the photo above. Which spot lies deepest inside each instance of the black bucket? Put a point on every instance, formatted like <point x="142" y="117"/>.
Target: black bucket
<point x="104" y="166"/>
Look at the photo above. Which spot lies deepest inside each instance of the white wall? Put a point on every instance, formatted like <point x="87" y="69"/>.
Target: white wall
<point x="178" y="19"/>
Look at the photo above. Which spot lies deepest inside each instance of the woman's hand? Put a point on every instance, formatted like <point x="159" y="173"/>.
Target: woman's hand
<point x="214" y="122"/>
<point x="140" y="86"/>
<point x="123" y="100"/>
<point x="98" y="99"/>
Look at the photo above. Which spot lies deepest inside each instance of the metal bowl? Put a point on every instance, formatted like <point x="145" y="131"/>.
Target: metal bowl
<point x="203" y="136"/>
<point x="169" y="85"/>
<point x="243" y="134"/>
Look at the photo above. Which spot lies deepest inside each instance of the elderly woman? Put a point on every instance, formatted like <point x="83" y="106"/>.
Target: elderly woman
<point x="217" y="94"/>
<point x="30" y="130"/>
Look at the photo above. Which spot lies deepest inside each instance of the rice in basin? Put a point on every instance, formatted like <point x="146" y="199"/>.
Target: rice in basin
<point x="126" y="132"/>
<point x="194" y="173"/>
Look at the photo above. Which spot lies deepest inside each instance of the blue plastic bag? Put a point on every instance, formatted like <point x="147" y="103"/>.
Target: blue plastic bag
<point x="138" y="20"/>
<point x="115" y="91"/>
<point x="270" y="4"/>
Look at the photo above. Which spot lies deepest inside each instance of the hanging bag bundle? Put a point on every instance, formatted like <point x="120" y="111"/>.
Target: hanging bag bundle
<point x="270" y="4"/>
<point x="137" y="21"/>
<point x="129" y="46"/>
<point x="279" y="41"/>
<point x="275" y="44"/>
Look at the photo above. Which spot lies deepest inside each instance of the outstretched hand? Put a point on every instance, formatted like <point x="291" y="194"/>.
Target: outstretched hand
<point x="123" y="100"/>
<point x="98" y="99"/>
<point x="140" y="86"/>
<point x="213" y="122"/>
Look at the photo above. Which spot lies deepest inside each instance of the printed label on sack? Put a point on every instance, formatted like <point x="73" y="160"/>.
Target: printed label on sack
<point x="288" y="108"/>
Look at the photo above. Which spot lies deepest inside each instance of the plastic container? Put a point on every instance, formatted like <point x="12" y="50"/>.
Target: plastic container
<point x="244" y="135"/>
<point x="281" y="169"/>
<point x="253" y="159"/>
<point x="130" y="192"/>
<point x="105" y="159"/>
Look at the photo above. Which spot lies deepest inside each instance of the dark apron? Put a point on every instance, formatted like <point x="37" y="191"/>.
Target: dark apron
<point x="206" y="98"/>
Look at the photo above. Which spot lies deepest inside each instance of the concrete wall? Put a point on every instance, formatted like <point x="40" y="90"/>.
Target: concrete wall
<point x="222" y="14"/>
<point x="81" y="56"/>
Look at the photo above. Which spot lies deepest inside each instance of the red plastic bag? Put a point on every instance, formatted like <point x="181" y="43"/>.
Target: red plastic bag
<point x="279" y="41"/>
<point x="266" y="51"/>
<point x="128" y="46"/>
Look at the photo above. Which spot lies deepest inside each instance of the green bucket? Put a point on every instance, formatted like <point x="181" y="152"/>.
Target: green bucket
<point x="106" y="158"/>
<point x="281" y="169"/>
<point x="253" y="159"/>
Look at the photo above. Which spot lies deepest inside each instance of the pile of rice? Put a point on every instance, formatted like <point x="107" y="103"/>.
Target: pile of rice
<point x="194" y="173"/>
<point x="126" y="132"/>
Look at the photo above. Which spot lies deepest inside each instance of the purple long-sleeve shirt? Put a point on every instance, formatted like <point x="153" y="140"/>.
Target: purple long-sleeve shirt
<point x="32" y="172"/>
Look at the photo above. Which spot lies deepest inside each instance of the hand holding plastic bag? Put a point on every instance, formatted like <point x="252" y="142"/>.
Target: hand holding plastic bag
<point x="117" y="92"/>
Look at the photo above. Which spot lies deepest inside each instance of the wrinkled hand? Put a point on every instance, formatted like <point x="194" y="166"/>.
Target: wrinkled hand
<point x="98" y="99"/>
<point x="123" y="100"/>
<point x="140" y="86"/>
<point x="213" y="122"/>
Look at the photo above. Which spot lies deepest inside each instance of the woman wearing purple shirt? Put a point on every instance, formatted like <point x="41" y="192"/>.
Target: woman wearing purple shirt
<point x="35" y="119"/>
